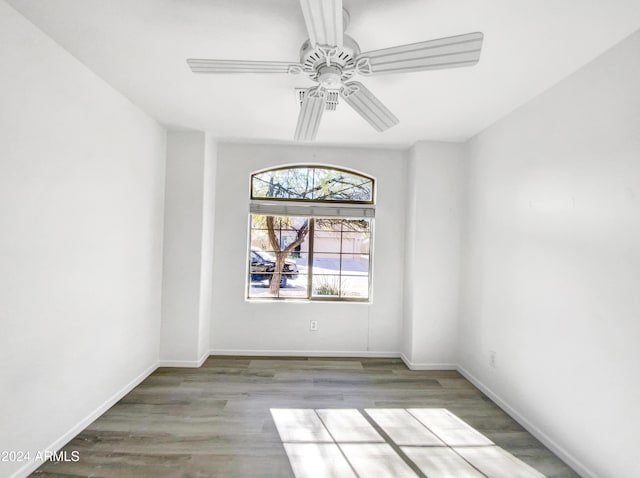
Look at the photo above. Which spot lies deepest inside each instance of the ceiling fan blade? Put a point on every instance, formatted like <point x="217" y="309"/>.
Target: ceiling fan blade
<point x="310" y="114"/>
<point x="368" y="106"/>
<point x="450" y="52"/>
<point x="324" y="21"/>
<point x="241" y="66"/>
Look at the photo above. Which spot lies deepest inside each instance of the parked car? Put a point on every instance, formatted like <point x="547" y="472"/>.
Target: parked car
<point x="263" y="266"/>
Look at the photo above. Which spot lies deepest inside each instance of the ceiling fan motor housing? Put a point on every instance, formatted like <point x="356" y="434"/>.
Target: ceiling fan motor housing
<point x="323" y="63"/>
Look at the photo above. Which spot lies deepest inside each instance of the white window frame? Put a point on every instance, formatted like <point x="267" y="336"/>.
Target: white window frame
<point x="314" y="209"/>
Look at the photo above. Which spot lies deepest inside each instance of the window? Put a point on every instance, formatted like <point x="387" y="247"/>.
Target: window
<point x="310" y="183"/>
<point x="310" y="234"/>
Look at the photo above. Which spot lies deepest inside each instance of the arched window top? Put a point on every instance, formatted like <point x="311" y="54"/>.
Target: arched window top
<point x="312" y="183"/>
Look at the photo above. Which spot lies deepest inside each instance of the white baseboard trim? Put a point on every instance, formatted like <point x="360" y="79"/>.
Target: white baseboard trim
<point x="31" y="466"/>
<point x="427" y="366"/>
<point x="304" y="353"/>
<point x="184" y="363"/>
<point x="565" y="456"/>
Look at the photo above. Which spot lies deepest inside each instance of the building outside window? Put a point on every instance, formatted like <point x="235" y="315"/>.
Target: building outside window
<point x="311" y="230"/>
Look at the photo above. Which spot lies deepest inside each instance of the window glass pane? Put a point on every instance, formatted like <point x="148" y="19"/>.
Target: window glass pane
<point x="312" y="184"/>
<point x="292" y="282"/>
<point x="334" y="185"/>
<point x="287" y="223"/>
<point x="258" y="221"/>
<point x="355" y="243"/>
<point x="326" y="263"/>
<point x="337" y="272"/>
<point x="263" y="256"/>
<point x="342" y="245"/>
<point x="355" y="286"/>
<point x="260" y="240"/>
<point x="292" y="183"/>
<point x="326" y="240"/>
<point x="259" y="287"/>
<point x="295" y="288"/>
<point x="355" y="265"/>
<point x="284" y="230"/>
<point x="325" y="285"/>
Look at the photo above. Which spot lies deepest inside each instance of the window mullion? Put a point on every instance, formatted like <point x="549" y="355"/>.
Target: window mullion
<point x="340" y="270"/>
<point x="312" y="232"/>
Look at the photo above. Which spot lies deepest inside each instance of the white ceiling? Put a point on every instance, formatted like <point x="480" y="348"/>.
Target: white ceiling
<point x="140" y="47"/>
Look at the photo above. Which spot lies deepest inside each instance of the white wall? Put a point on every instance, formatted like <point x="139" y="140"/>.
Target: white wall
<point x="553" y="264"/>
<point x="188" y="248"/>
<point x="408" y="289"/>
<point x="432" y="255"/>
<point x="81" y="199"/>
<point x="277" y="327"/>
<point x="208" y="232"/>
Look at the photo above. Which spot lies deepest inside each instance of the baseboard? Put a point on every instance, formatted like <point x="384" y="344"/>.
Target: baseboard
<point x="565" y="456"/>
<point x="184" y="363"/>
<point x="31" y="466"/>
<point x="427" y="366"/>
<point x="304" y="353"/>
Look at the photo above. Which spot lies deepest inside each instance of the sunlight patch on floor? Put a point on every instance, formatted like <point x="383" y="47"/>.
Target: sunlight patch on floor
<point x="348" y="425"/>
<point x="394" y="443"/>
<point x="402" y="427"/>
<point x="449" y="428"/>
<point x="321" y="460"/>
<point x="441" y="462"/>
<point x="300" y="425"/>
<point x="376" y="460"/>
<point x="496" y="462"/>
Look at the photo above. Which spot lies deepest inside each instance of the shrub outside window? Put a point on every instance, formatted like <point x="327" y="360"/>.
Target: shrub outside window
<point x="310" y="234"/>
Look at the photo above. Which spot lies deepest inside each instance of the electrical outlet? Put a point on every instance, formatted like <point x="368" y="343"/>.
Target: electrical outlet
<point x="313" y="325"/>
<point x="492" y="358"/>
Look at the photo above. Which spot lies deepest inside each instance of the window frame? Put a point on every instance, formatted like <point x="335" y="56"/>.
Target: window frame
<point x="314" y="209"/>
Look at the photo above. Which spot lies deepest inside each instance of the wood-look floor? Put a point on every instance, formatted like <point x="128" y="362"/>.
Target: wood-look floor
<point x="215" y="421"/>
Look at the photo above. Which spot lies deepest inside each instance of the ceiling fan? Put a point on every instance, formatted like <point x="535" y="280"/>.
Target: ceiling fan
<point x="331" y="59"/>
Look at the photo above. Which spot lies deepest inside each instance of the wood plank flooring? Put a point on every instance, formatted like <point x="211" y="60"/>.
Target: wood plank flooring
<point x="266" y="417"/>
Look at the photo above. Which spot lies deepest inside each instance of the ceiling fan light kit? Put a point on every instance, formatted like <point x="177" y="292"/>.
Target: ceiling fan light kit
<point x="330" y="58"/>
